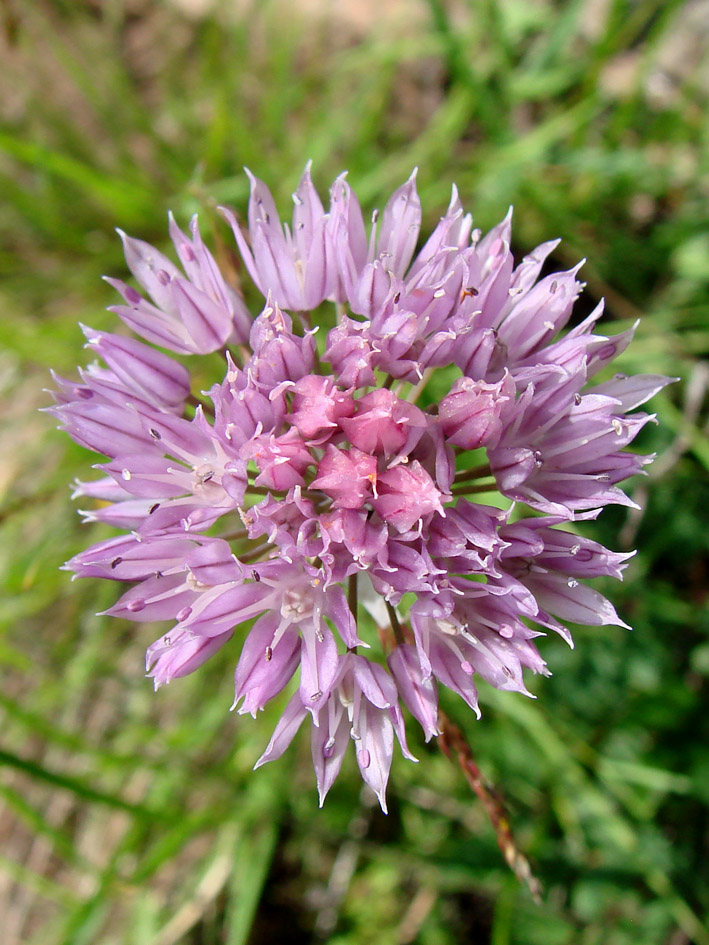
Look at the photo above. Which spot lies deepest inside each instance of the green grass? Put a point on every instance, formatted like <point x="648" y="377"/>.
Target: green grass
<point x="132" y="817"/>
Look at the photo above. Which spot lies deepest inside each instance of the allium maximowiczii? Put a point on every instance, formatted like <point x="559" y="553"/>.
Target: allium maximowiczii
<point x="317" y="481"/>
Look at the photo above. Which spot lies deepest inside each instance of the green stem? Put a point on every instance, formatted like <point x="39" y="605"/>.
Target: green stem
<point x="416" y="391"/>
<point x="253" y="555"/>
<point x="196" y="402"/>
<point x="470" y="490"/>
<point x="477" y="472"/>
<point x="235" y="536"/>
<point x="395" y="625"/>
<point x="352" y="595"/>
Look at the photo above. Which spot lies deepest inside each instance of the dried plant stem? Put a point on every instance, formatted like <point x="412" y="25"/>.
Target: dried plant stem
<point x="455" y="746"/>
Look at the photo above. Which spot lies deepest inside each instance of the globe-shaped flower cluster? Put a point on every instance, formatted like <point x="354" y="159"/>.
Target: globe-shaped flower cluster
<point x="320" y="480"/>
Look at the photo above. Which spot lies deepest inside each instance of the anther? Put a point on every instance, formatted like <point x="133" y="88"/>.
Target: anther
<point x="328" y="748"/>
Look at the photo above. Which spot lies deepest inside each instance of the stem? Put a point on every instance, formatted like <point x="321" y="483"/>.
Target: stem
<point x="469" y="490"/>
<point x="352" y="595"/>
<point x="235" y="536"/>
<point x="196" y="402"/>
<point x="262" y="490"/>
<point x="417" y="389"/>
<point x="251" y="556"/>
<point x="314" y="495"/>
<point x="477" y="472"/>
<point x="395" y="625"/>
<point x="454" y="745"/>
<point x="352" y="603"/>
<point x="236" y="356"/>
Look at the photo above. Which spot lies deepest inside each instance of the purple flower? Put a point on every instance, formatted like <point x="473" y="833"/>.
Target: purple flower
<point x="194" y="312"/>
<point x="318" y="492"/>
<point x="362" y="704"/>
<point x="294" y="267"/>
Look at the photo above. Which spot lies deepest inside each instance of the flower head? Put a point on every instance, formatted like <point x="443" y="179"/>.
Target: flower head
<point x="317" y="482"/>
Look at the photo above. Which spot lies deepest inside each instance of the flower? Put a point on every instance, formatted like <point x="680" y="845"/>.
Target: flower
<point x="317" y="490"/>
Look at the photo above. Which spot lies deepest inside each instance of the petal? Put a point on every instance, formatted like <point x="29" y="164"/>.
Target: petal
<point x="285" y="731"/>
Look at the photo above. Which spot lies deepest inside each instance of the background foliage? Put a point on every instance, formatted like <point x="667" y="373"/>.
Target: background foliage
<point x="128" y="817"/>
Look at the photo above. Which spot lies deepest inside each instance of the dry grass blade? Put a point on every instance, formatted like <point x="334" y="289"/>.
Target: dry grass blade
<point x="455" y="746"/>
